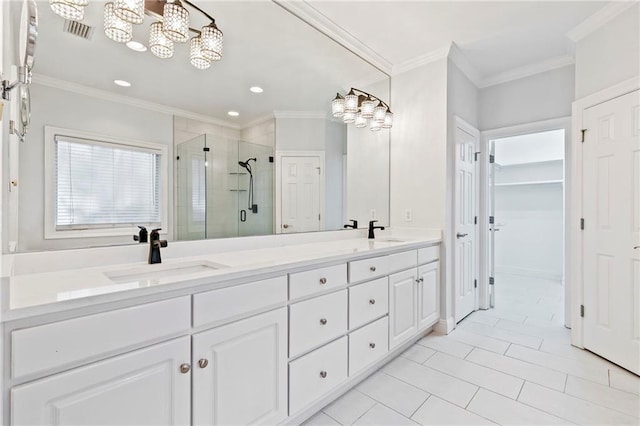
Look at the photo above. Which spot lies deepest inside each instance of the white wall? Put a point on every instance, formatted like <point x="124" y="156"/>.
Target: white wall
<point x="538" y="97"/>
<point x="609" y="55"/>
<point x="300" y="134"/>
<point x="55" y="107"/>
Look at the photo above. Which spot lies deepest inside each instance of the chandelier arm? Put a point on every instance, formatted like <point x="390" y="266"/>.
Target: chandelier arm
<point x="199" y="10"/>
<point x="372" y="96"/>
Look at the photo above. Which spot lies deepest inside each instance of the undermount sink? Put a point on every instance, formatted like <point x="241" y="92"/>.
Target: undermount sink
<point x="155" y="272"/>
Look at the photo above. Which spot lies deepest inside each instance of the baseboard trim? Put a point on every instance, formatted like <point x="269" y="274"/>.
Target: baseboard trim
<point x="445" y="326"/>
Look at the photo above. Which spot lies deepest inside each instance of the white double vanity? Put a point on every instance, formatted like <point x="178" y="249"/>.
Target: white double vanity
<point x="265" y="334"/>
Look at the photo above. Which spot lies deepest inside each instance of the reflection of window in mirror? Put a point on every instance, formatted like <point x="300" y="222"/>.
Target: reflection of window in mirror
<point x="100" y="186"/>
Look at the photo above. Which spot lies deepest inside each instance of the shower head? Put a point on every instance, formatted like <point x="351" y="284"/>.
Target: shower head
<point x="245" y="164"/>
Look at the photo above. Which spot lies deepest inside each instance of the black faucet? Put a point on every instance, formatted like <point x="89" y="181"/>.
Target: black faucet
<point x="154" y="246"/>
<point x="142" y="235"/>
<point x="371" y="228"/>
<point x="354" y="225"/>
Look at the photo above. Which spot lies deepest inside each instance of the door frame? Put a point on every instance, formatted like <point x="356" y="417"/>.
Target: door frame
<point x="278" y="188"/>
<point x="575" y="236"/>
<point x="524" y="129"/>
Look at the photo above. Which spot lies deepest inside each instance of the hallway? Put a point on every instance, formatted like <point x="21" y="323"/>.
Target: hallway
<point x="509" y="365"/>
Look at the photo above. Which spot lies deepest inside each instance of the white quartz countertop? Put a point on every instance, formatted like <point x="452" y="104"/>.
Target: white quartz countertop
<point x="34" y="294"/>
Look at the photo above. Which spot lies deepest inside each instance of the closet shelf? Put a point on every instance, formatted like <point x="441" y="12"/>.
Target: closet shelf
<point x="237" y="173"/>
<point x="535" y="182"/>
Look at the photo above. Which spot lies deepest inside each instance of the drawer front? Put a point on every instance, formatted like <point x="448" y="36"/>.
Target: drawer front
<point x="428" y="254"/>
<point x="315" y="321"/>
<point x="368" y="301"/>
<point x="69" y="342"/>
<point x="404" y="260"/>
<point x="307" y="283"/>
<point x="360" y="270"/>
<point x="316" y="374"/>
<point x="233" y="302"/>
<point x="368" y="345"/>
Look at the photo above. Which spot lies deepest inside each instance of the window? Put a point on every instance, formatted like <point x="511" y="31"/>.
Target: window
<point x="100" y="186"/>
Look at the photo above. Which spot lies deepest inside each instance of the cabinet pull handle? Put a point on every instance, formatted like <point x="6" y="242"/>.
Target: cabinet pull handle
<point x="323" y="280"/>
<point x="185" y="368"/>
<point x="323" y="321"/>
<point x="421" y="279"/>
<point x="372" y="345"/>
<point x="203" y="363"/>
<point x="372" y="268"/>
<point x="372" y="301"/>
<point x="323" y="374"/>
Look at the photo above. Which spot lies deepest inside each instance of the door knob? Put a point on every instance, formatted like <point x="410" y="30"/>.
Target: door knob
<point x="185" y="368"/>
<point x="202" y="363"/>
<point x="460" y="235"/>
<point x="323" y="374"/>
<point x="323" y="321"/>
<point x="285" y="226"/>
<point x="323" y="280"/>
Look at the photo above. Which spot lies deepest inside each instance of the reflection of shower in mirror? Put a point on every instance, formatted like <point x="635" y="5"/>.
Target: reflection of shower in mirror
<point x="247" y="166"/>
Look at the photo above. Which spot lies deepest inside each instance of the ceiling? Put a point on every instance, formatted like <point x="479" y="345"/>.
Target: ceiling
<point x="494" y="37"/>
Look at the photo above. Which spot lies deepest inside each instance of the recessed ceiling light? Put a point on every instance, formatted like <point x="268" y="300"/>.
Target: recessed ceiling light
<point x="233" y="113"/>
<point x="137" y="46"/>
<point x="256" y="89"/>
<point x="122" y="83"/>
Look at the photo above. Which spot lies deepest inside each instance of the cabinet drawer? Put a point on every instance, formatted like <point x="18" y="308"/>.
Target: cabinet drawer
<point x="428" y="254"/>
<point x="231" y="302"/>
<point x="368" y="345"/>
<point x="306" y="283"/>
<point x="404" y="260"/>
<point x="316" y="374"/>
<point x="360" y="270"/>
<point x="368" y="301"/>
<point x="69" y="342"/>
<point x="315" y="321"/>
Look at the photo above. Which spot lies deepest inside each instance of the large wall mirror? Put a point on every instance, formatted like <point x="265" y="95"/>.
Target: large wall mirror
<point x="208" y="157"/>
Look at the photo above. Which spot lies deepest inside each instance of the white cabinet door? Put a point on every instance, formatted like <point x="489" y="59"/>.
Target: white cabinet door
<point x="145" y="387"/>
<point x="240" y="372"/>
<point x="403" y="317"/>
<point x="428" y="294"/>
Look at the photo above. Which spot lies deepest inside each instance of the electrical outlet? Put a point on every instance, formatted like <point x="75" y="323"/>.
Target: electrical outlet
<point x="408" y="215"/>
<point x="372" y="214"/>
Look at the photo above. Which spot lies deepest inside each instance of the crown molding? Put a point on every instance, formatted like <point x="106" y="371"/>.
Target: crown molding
<point x="301" y="114"/>
<point x="598" y="19"/>
<point x="421" y="60"/>
<point x="461" y="61"/>
<point x="322" y="23"/>
<point x="527" y="70"/>
<point x="258" y="120"/>
<point x="127" y="100"/>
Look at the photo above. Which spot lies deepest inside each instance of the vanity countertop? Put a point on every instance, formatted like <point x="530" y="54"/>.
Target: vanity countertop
<point x="42" y="293"/>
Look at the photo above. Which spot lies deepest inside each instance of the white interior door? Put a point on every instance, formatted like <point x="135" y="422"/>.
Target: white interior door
<point x="465" y="213"/>
<point x="611" y="211"/>
<point x="300" y="210"/>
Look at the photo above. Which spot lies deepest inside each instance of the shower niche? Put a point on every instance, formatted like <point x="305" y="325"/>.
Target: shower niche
<point x="224" y="188"/>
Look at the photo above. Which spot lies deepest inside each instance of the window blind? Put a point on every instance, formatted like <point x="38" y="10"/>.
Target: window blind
<point x="103" y="185"/>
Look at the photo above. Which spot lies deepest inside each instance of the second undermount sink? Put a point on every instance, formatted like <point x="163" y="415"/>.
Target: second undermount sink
<point x="156" y="272"/>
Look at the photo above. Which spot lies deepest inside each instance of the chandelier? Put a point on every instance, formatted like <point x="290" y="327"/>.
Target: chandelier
<point x="363" y="109"/>
<point x="171" y="26"/>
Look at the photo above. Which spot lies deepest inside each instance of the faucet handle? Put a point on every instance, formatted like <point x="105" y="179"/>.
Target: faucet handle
<point x="156" y="230"/>
<point x="142" y="235"/>
<point x="142" y="228"/>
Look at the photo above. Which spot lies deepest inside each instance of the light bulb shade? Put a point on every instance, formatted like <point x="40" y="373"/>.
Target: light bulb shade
<point x="388" y="120"/>
<point x="115" y="28"/>
<point x="375" y="126"/>
<point x="211" y="42"/>
<point x="175" y="21"/>
<point x="196" y="56"/>
<point x="159" y="45"/>
<point x="351" y="102"/>
<point x="131" y="11"/>
<point x="361" y="121"/>
<point x="69" y="9"/>
<point x="349" y="117"/>
<point x="367" y="107"/>
<point x="379" y="113"/>
<point x="337" y="106"/>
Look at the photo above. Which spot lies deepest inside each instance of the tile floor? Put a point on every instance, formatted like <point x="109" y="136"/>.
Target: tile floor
<point x="511" y="365"/>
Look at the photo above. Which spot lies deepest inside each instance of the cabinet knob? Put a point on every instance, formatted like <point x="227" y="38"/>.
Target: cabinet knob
<point x="372" y="301"/>
<point x="185" y="368"/>
<point x="372" y="345"/>
<point x="323" y="321"/>
<point x="372" y="268"/>
<point x="203" y="363"/>
<point x="323" y="374"/>
<point x="323" y="280"/>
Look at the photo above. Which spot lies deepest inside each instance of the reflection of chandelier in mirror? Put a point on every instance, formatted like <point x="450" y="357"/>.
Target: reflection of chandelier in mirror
<point x="363" y="109"/>
<point x="172" y="26"/>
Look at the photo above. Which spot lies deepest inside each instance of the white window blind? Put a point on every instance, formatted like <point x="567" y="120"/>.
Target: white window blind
<point x="105" y="185"/>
